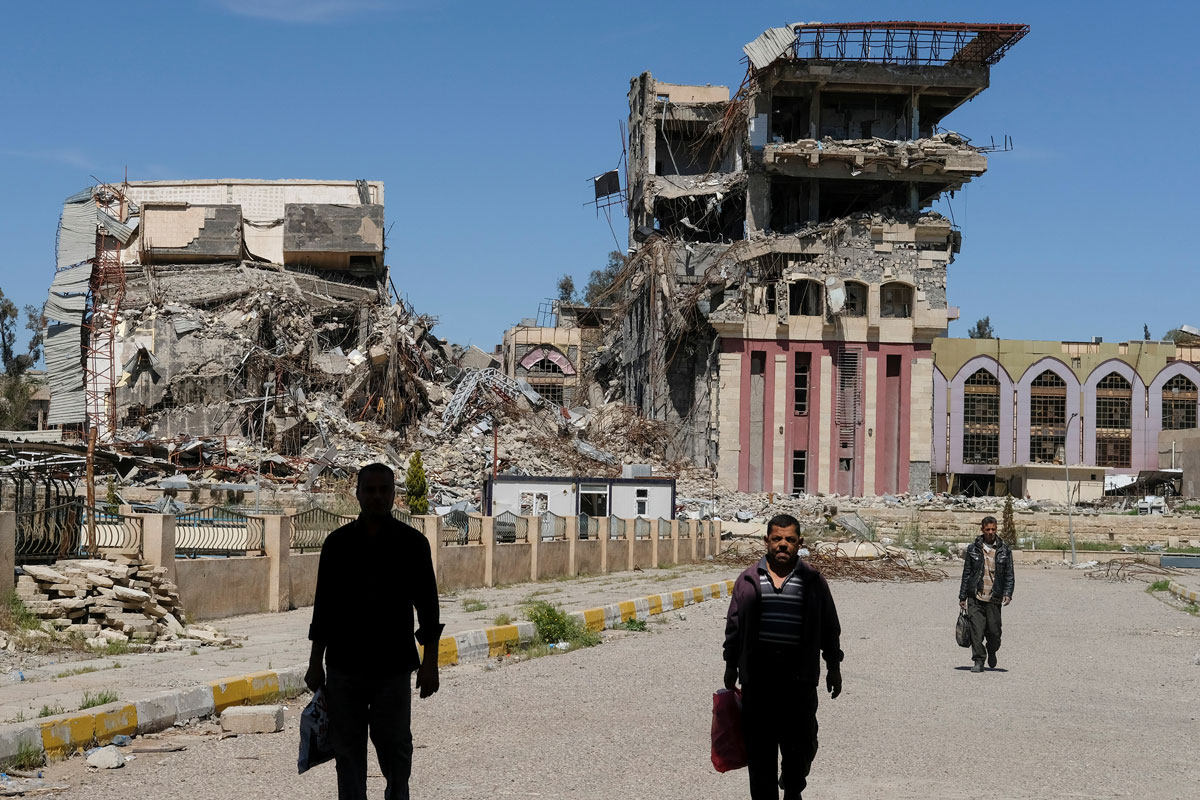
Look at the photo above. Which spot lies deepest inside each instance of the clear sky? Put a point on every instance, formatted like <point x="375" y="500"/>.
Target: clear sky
<point x="486" y="121"/>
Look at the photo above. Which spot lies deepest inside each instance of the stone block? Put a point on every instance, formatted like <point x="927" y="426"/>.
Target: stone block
<point x="194" y="703"/>
<point x="252" y="719"/>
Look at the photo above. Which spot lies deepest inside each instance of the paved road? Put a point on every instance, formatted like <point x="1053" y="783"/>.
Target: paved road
<point x="1096" y="698"/>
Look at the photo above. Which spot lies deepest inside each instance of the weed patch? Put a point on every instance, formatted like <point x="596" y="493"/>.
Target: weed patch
<point x="66" y="673"/>
<point x="50" y="710"/>
<point x="1159" y="586"/>
<point x="555" y="625"/>
<point x="14" y="616"/>
<point x="502" y="619"/>
<point x="634" y="624"/>
<point x="473" y="604"/>
<point x="29" y="756"/>
<point x="100" y="698"/>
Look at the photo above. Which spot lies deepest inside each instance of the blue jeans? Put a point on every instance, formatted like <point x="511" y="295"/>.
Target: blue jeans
<point x="382" y="704"/>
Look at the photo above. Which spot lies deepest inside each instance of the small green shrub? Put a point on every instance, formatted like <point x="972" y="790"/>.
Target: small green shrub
<point x="50" y="710"/>
<point x="66" y="673"/>
<point x="634" y="624"/>
<point x="502" y="619"/>
<point x="14" y="616"/>
<point x="555" y="625"/>
<point x="29" y="756"/>
<point x="1159" y="586"/>
<point x="100" y="698"/>
<point x="473" y="604"/>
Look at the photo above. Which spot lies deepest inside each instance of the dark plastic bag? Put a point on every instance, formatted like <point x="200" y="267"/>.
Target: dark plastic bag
<point x="314" y="733"/>
<point x="962" y="629"/>
<point x="728" y="744"/>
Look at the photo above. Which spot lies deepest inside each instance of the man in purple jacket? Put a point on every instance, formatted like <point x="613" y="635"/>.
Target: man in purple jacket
<point x="781" y="621"/>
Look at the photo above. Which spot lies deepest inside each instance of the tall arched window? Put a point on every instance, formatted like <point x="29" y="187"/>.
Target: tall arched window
<point x="981" y="419"/>
<point x="895" y="301"/>
<point x="1047" y="419"/>
<point x="1114" y="422"/>
<point x="545" y="367"/>
<point x="1178" y="404"/>
<point x="804" y="299"/>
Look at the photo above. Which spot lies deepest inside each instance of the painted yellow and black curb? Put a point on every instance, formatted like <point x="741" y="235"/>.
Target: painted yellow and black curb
<point x="64" y="734"/>
<point x="480" y="645"/>
<point x="1182" y="593"/>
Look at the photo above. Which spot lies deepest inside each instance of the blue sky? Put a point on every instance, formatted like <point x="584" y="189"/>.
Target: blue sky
<point x="486" y="120"/>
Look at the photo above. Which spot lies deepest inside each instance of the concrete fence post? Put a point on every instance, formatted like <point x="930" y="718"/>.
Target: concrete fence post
<point x="675" y="541"/>
<point x="695" y="531"/>
<point x="158" y="541"/>
<point x="653" y="543"/>
<point x="277" y="541"/>
<point x="602" y="532"/>
<point x="533" y="535"/>
<point x="428" y="525"/>
<point x="8" y="551"/>
<point x="572" y="528"/>
<point x="630" y="541"/>
<point x="487" y="538"/>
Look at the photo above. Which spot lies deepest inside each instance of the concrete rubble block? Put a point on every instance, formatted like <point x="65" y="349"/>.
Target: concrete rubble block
<point x="44" y="574"/>
<point x="109" y="757"/>
<point x="252" y="719"/>
<point x="172" y="624"/>
<point x="291" y="679"/>
<point x="156" y="712"/>
<point x="99" y="581"/>
<point x="207" y="636"/>
<point x="194" y="703"/>
<point x="132" y="595"/>
<point x="17" y="737"/>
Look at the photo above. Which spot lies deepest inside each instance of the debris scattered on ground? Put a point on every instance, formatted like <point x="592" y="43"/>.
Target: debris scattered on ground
<point x="1126" y="569"/>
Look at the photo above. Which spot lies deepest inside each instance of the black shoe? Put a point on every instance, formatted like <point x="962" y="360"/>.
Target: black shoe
<point x="991" y="660"/>
<point x="978" y="667"/>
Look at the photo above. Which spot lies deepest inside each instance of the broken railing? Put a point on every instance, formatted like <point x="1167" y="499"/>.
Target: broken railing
<point x="218" y="531"/>
<point x="310" y="528"/>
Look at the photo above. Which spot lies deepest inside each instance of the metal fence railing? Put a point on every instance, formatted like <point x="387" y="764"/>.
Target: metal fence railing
<point x="455" y="528"/>
<point x="641" y="528"/>
<point x="309" y="528"/>
<point x="589" y="527"/>
<point x="664" y="528"/>
<point x="112" y="531"/>
<point x="685" y="529"/>
<point x="509" y="528"/>
<point x="553" y="527"/>
<point x="616" y="528"/>
<point x="405" y="517"/>
<point x="47" y="534"/>
<point x="217" y="531"/>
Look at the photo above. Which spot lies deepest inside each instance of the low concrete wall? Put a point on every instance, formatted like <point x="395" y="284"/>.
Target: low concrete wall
<point x="553" y="559"/>
<point x="460" y="567"/>
<point x="303" y="570"/>
<point x="510" y="563"/>
<point x="642" y="556"/>
<point x="1103" y="556"/>
<point x="222" y="587"/>
<point x="587" y="557"/>
<point x="666" y="552"/>
<point x="1090" y="527"/>
<point x="618" y="555"/>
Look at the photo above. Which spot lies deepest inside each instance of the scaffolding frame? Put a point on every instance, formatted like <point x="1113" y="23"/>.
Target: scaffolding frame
<point x="106" y="291"/>
<point x="908" y="43"/>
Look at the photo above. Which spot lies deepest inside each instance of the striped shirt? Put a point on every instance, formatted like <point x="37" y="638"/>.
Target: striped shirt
<point x="781" y="618"/>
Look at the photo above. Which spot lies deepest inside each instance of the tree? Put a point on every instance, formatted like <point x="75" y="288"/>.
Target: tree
<point x="982" y="329"/>
<point x="601" y="280"/>
<point x="416" y="485"/>
<point x="1146" y="332"/>
<point x="1008" y="528"/>
<point x="15" y="362"/>
<point x="16" y="401"/>
<point x="566" y="289"/>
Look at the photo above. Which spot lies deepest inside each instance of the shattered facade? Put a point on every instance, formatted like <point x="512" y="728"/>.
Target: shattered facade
<point x="555" y="357"/>
<point x="787" y="277"/>
<point x="249" y="309"/>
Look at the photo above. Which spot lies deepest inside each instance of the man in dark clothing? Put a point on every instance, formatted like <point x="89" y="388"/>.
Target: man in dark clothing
<point x="373" y="573"/>
<point x="781" y="621"/>
<point x="987" y="585"/>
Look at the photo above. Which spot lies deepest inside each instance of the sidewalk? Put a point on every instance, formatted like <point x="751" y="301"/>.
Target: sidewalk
<point x="279" y="641"/>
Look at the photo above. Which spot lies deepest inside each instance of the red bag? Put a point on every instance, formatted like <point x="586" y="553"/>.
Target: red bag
<point x="728" y="745"/>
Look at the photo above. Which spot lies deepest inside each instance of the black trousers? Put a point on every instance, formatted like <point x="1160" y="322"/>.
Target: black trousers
<point x="384" y="706"/>
<point x="779" y="720"/>
<point x="985" y="624"/>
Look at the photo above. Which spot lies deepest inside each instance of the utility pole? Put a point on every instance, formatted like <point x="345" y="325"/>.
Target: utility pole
<point x="91" y="489"/>
<point x="268" y="387"/>
<point x="1067" y="467"/>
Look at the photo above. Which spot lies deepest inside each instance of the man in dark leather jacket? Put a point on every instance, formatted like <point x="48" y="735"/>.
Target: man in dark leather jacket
<point x="987" y="586"/>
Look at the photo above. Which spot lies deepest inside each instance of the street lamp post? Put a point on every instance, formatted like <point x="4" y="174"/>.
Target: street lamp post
<point x="1067" y="467"/>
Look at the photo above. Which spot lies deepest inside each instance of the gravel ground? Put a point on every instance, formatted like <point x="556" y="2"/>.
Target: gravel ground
<point x="1095" y="698"/>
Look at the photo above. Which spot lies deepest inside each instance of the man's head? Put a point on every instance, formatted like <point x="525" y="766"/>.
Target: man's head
<point x="988" y="526"/>
<point x="783" y="542"/>
<point x="376" y="490"/>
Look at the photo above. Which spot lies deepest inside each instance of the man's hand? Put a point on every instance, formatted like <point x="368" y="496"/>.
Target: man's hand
<point x="427" y="678"/>
<point x="1006" y="601"/>
<point x="731" y="675"/>
<point x="315" y="677"/>
<point x="962" y="603"/>
<point x="833" y="682"/>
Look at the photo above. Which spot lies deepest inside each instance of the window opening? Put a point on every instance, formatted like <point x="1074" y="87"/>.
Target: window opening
<point x="799" y="471"/>
<point x="981" y="419"/>
<point x="856" y="300"/>
<point x="1114" y="414"/>
<point x="800" y="384"/>
<point x="804" y="299"/>
<point x="1179" y="404"/>
<point x="545" y="367"/>
<point x="593" y="500"/>
<point x="642" y="499"/>
<point x="1048" y="419"/>
<point x="551" y="392"/>
<point x="895" y="301"/>
<point x="849" y="396"/>
<point x="534" y="503"/>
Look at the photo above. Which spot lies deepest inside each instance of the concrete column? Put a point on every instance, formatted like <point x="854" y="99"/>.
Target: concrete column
<point x="277" y="540"/>
<point x="534" y="537"/>
<point x="572" y="541"/>
<point x="158" y="541"/>
<point x="675" y="541"/>
<point x="8" y="551"/>
<point x="602" y="532"/>
<point x="653" y="543"/>
<point x="695" y="531"/>
<point x="428" y="525"/>
<point x="814" y="114"/>
<point x="630" y="540"/>
<point x="487" y="538"/>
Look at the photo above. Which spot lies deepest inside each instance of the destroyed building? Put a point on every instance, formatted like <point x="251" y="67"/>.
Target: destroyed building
<point x="787" y="277"/>
<point x="183" y="313"/>
<point x="554" y="351"/>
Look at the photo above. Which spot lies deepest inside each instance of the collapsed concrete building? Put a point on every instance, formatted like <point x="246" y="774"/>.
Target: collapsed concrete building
<point x="787" y="277"/>
<point x="183" y="313"/>
<point x="554" y="354"/>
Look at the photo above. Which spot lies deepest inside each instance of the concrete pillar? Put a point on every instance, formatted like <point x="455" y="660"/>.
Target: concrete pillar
<point x="630" y="540"/>
<point x="277" y="542"/>
<point x="158" y="541"/>
<point x="534" y="536"/>
<point x="653" y="543"/>
<point x="674" y="541"/>
<point x="487" y="538"/>
<point x="428" y="525"/>
<point x="695" y="528"/>
<point x="572" y="541"/>
<point x="8" y="551"/>
<point x="602" y="532"/>
<point x="814" y="114"/>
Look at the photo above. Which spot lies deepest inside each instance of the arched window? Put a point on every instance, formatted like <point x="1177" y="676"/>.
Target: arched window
<point x="545" y="367"/>
<point x="1047" y="419"/>
<point x="1178" y="404"/>
<point x="1114" y="425"/>
<point x="981" y="419"/>
<point x="804" y="299"/>
<point x="856" y="299"/>
<point x="895" y="301"/>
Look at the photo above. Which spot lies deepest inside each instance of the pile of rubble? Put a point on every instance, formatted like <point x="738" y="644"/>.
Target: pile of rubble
<point x="104" y="602"/>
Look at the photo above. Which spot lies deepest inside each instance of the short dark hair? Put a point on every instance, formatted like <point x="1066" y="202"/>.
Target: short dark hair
<point x="783" y="521"/>
<point x="382" y="469"/>
<point x="988" y="521"/>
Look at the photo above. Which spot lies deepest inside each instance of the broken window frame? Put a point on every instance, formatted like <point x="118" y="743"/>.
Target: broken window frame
<point x="1179" y="396"/>
<point x="981" y="419"/>
<point x="805" y="298"/>
<point x="857" y="295"/>
<point x="799" y="472"/>
<point x="1047" y="418"/>
<point x="800" y="383"/>
<point x="895" y="300"/>
<point x="1114" y="421"/>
